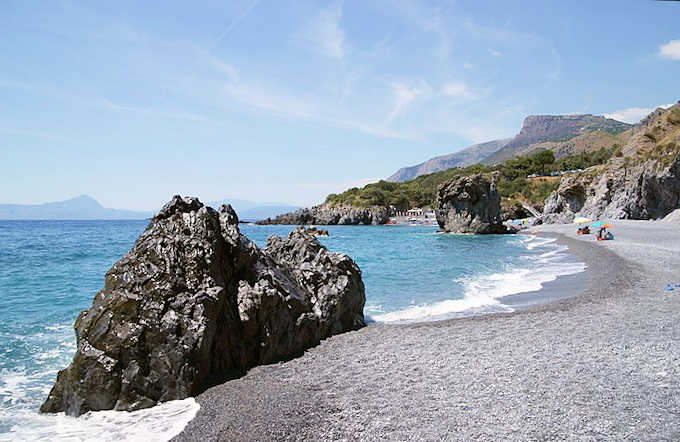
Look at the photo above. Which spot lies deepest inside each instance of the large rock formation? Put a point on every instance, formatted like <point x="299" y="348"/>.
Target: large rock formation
<point x="645" y="191"/>
<point x="195" y="303"/>
<point x="329" y="215"/>
<point x="469" y="204"/>
<point x="643" y="183"/>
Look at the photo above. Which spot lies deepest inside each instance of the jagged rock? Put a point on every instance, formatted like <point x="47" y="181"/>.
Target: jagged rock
<point x="324" y="214"/>
<point x="195" y="303"/>
<point x="643" y="182"/>
<point x="317" y="232"/>
<point x="469" y="204"/>
<point x="645" y="191"/>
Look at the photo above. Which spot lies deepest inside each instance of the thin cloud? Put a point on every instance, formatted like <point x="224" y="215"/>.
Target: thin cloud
<point x="235" y="22"/>
<point x="403" y="95"/>
<point x="670" y="50"/>
<point x="633" y="115"/>
<point x="457" y="89"/>
<point x="324" y="34"/>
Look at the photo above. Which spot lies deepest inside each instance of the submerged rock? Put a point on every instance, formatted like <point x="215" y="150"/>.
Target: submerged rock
<point x="317" y="232"/>
<point x="195" y="303"/>
<point x="324" y="214"/>
<point x="469" y="204"/>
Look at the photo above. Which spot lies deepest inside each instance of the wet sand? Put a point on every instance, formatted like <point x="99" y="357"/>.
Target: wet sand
<point x="600" y="362"/>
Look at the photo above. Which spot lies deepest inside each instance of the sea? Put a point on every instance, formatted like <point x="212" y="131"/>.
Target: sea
<point x="51" y="270"/>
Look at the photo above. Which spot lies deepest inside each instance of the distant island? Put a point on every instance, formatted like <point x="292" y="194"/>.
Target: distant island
<point x="84" y="207"/>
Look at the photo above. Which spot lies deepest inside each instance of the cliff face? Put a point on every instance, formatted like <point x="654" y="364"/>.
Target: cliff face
<point x="466" y="157"/>
<point x="195" y="303"/>
<point x="330" y="215"/>
<point x="544" y="128"/>
<point x="469" y="204"/>
<point x="644" y="183"/>
<point x="647" y="191"/>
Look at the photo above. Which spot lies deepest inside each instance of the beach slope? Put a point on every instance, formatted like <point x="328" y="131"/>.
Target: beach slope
<point x="601" y="365"/>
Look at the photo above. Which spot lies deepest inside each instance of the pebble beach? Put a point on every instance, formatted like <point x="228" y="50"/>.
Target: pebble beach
<point x="599" y="364"/>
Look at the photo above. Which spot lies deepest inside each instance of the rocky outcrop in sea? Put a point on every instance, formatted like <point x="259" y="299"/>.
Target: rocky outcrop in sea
<point x="195" y="303"/>
<point x="469" y="204"/>
<point x="324" y="214"/>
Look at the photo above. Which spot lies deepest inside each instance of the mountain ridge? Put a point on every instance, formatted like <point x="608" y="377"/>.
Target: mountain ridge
<point x="538" y="132"/>
<point x="85" y="207"/>
<point x="466" y="157"/>
<point x="82" y="207"/>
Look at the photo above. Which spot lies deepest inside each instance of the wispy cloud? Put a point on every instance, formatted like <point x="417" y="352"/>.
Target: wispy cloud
<point x="495" y="53"/>
<point x="457" y="89"/>
<point x="324" y="35"/>
<point x="235" y="22"/>
<point x="403" y="95"/>
<point x="670" y="50"/>
<point x="633" y="115"/>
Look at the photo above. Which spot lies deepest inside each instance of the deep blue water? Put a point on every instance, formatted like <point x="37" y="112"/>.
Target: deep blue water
<point x="51" y="270"/>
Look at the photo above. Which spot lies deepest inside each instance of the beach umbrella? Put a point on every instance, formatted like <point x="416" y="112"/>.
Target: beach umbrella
<point x="602" y="224"/>
<point x="581" y="220"/>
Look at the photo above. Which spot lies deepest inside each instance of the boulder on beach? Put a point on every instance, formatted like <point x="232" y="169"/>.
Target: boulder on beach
<point x="195" y="303"/>
<point x="469" y="204"/>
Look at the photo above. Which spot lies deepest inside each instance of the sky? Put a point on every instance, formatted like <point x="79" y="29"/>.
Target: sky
<point x="131" y="102"/>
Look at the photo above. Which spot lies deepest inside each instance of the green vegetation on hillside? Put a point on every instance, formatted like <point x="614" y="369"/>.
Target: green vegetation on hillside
<point x="513" y="182"/>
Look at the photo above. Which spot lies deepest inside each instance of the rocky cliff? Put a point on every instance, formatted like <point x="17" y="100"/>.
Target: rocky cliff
<point x="324" y="214"/>
<point x="195" y="303"/>
<point x="563" y="134"/>
<point x="643" y="183"/>
<point x="469" y="204"/>
<point x="544" y="128"/>
<point x="466" y="157"/>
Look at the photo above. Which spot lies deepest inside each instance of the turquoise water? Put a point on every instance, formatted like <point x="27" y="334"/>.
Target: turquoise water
<point x="51" y="270"/>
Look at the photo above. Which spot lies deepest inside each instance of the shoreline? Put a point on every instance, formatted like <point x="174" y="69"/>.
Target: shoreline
<point x="598" y="365"/>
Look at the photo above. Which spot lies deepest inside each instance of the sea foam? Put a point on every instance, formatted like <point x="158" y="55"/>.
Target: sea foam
<point x="159" y="423"/>
<point x="483" y="293"/>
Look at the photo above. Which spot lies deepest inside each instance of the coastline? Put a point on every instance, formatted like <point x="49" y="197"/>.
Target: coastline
<point x="598" y="365"/>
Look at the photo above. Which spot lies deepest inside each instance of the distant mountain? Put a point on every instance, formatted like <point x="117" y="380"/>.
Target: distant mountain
<point x="564" y="134"/>
<point x="557" y="128"/>
<point x="81" y="207"/>
<point x="86" y="208"/>
<point x="470" y="155"/>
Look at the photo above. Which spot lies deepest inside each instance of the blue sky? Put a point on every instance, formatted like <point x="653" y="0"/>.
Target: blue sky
<point x="131" y="102"/>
